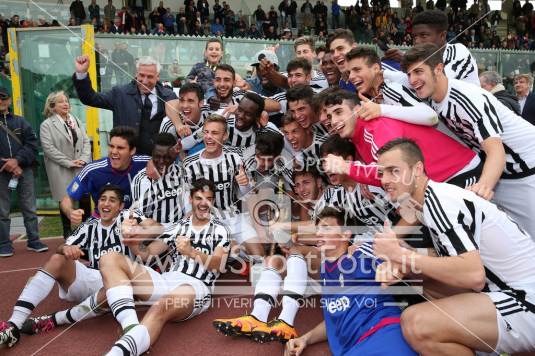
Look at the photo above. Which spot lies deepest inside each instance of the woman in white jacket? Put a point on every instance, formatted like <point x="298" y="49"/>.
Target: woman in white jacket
<point x="66" y="148"/>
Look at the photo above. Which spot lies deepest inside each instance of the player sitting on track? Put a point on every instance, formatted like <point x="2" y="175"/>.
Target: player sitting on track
<point x="77" y="282"/>
<point x="358" y="317"/>
<point x="199" y="246"/>
<point x="481" y="250"/>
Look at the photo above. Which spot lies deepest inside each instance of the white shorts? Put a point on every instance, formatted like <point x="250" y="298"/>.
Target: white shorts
<point x="165" y="283"/>
<point x="517" y="198"/>
<point x="516" y="324"/>
<point x="87" y="282"/>
<point x="241" y="228"/>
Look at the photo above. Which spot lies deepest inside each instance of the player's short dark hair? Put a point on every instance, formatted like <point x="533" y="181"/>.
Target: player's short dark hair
<point x="337" y="97"/>
<point x="127" y="133"/>
<point x="214" y="40"/>
<point x="320" y="49"/>
<point x="301" y="171"/>
<point x="297" y="63"/>
<point x="202" y="184"/>
<point x="300" y="92"/>
<point x="338" y="146"/>
<point x="164" y="139"/>
<point x="319" y="100"/>
<point x="287" y="119"/>
<point x="192" y="88"/>
<point x="269" y="143"/>
<point x="112" y="188"/>
<point x="436" y="19"/>
<point x="410" y="150"/>
<point x="340" y="33"/>
<point x="367" y="53"/>
<point x="216" y="118"/>
<point x="429" y="53"/>
<point x="226" y="68"/>
<point x="258" y="100"/>
<point x="330" y="212"/>
<point x="304" y="40"/>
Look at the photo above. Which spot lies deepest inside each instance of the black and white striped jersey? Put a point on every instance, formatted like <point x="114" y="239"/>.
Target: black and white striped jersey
<point x="162" y="200"/>
<point x="97" y="240"/>
<point x="282" y="168"/>
<point x="318" y="82"/>
<point x="460" y="64"/>
<point x="310" y="156"/>
<point x="334" y="196"/>
<point x="235" y="98"/>
<point x="281" y="99"/>
<point x="206" y="239"/>
<point x="243" y="139"/>
<point x="398" y="94"/>
<point x="168" y="126"/>
<point x="459" y="221"/>
<point x="474" y="115"/>
<point x="222" y="172"/>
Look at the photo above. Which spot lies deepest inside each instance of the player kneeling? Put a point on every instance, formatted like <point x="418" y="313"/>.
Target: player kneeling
<point x="199" y="245"/>
<point x="77" y="282"/>
<point x="358" y="318"/>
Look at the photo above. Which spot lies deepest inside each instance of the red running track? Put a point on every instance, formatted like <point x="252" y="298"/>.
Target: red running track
<point x="94" y="337"/>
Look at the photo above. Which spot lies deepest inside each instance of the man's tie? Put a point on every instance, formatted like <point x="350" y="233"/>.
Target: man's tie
<point x="147" y="108"/>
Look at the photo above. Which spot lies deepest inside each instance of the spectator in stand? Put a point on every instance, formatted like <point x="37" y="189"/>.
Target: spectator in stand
<point x="271" y="33"/>
<point x="526" y="98"/>
<point x="218" y="11"/>
<point x="77" y="11"/>
<point x="117" y="27"/>
<point x="283" y="10"/>
<point x="161" y="10"/>
<point x="292" y="13"/>
<point x="217" y="28"/>
<point x="66" y="149"/>
<point x="155" y="18"/>
<point x="168" y="21"/>
<point x="254" y="32"/>
<point x="307" y="11"/>
<point x="273" y="18"/>
<point x="492" y="82"/>
<point x="335" y="13"/>
<point x="94" y="11"/>
<point x="204" y="8"/>
<point x="260" y="17"/>
<point x="109" y="11"/>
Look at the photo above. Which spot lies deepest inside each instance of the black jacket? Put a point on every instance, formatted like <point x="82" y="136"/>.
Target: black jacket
<point x="508" y="100"/>
<point x="528" y="113"/>
<point x="26" y="151"/>
<point x="123" y="100"/>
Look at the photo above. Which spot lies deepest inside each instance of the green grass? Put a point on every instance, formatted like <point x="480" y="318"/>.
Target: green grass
<point x="50" y="227"/>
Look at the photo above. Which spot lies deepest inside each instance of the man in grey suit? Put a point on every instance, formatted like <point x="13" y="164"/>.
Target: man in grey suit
<point x="141" y="104"/>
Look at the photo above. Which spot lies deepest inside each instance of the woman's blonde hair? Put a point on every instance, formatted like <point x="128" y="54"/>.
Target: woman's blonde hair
<point x="51" y="101"/>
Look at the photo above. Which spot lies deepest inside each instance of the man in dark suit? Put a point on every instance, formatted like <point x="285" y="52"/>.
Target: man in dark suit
<point x="140" y="104"/>
<point x="526" y="98"/>
<point x="492" y="82"/>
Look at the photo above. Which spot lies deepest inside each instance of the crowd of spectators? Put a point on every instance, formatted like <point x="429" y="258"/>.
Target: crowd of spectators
<point x="368" y="20"/>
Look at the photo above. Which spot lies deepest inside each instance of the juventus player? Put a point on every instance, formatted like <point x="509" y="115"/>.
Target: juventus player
<point x="389" y="99"/>
<point x="352" y="326"/>
<point x="481" y="250"/>
<point x="223" y="165"/>
<point x="483" y="123"/>
<point x="305" y="142"/>
<point x="301" y="100"/>
<point x="77" y="282"/>
<point x="447" y="160"/>
<point x="161" y="199"/>
<point x="199" y="245"/>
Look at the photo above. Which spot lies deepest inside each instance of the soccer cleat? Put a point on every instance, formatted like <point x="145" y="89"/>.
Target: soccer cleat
<point x="38" y="324"/>
<point x="275" y="330"/>
<point x="9" y="334"/>
<point x="242" y="326"/>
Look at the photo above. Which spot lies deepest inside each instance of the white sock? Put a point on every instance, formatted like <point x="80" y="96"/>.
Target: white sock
<point x="295" y="285"/>
<point x="87" y="309"/>
<point x="121" y="302"/>
<point x="135" y="342"/>
<point x="37" y="289"/>
<point x="267" y="287"/>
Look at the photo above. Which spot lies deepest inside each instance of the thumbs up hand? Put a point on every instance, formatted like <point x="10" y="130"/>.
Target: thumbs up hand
<point x="241" y="177"/>
<point x="386" y="246"/>
<point x="368" y="109"/>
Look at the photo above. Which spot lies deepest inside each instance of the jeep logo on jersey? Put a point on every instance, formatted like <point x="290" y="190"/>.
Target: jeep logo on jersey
<point x="223" y="186"/>
<point x="338" y="305"/>
<point x="168" y="194"/>
<point x="101" y="253"/>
